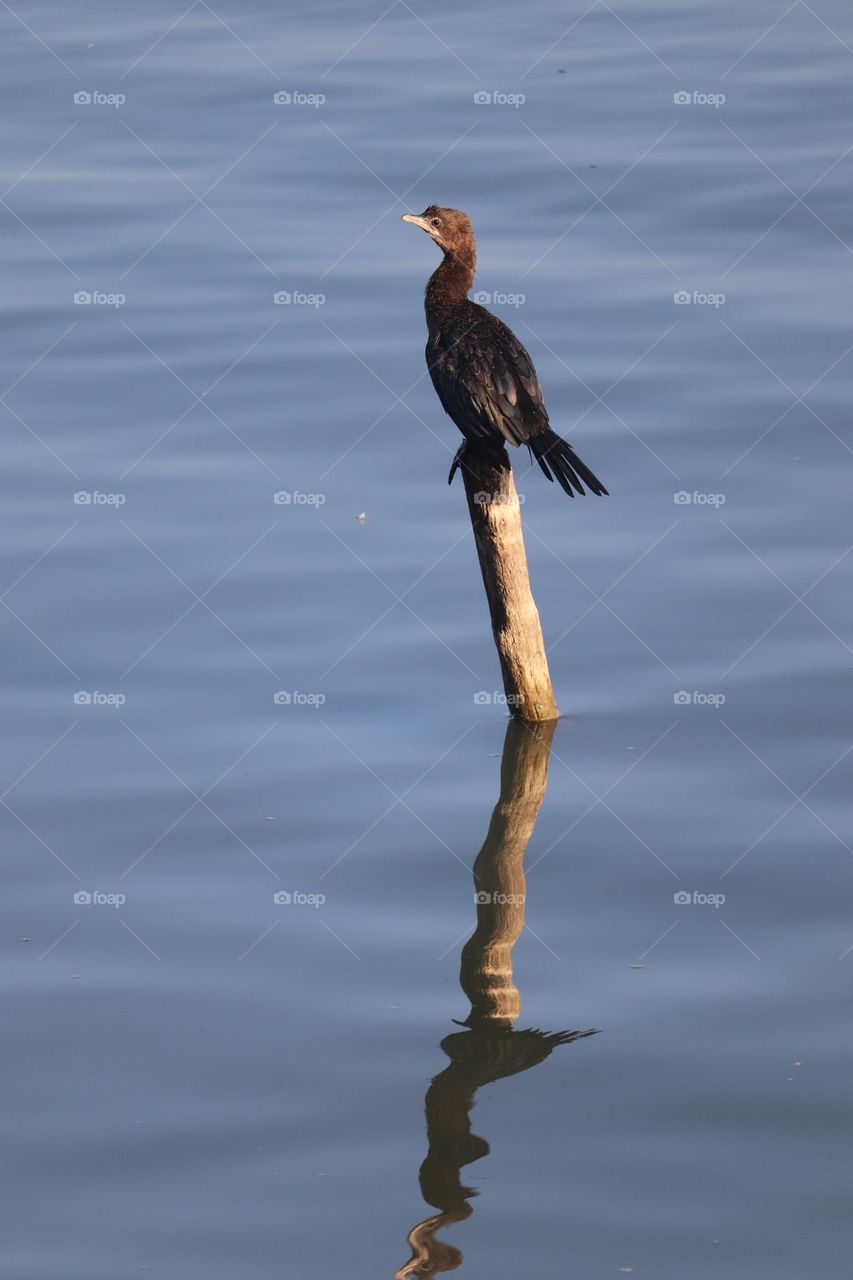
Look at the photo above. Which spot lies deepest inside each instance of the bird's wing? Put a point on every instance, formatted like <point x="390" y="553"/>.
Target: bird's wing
<point x="485" y="379"/>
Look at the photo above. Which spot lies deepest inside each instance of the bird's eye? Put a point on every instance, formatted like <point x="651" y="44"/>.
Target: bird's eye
<point x="436" y="222"/>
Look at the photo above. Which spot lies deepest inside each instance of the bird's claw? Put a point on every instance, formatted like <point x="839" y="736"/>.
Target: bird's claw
<point x="457" y="462"/>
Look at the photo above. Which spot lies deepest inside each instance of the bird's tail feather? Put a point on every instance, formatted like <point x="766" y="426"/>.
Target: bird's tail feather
<point x="554" y="454"/>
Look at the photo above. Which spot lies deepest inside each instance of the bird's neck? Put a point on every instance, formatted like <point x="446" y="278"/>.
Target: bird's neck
<point x="450" y="283"/>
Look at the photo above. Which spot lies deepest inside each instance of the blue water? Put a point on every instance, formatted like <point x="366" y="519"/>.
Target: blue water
<point x="199" y="1081"/>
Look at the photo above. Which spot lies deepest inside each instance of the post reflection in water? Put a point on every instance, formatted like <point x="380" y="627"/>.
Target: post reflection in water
<point x="489" y="1049"/>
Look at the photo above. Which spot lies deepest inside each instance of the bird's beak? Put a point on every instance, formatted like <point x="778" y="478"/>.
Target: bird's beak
<point x="417" y="222"/>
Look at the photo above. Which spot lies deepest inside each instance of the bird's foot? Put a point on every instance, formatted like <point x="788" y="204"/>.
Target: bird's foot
<point x="457" y="461"/>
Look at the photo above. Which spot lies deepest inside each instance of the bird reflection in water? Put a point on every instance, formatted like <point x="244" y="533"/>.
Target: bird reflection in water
<point x="489" y="1049"/>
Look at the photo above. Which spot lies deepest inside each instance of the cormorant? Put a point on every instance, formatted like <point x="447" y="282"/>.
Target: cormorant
<point x="484" y="378"/>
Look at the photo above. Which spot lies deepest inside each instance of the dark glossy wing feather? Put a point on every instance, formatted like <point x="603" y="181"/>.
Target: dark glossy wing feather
<point x="485" y="379"/>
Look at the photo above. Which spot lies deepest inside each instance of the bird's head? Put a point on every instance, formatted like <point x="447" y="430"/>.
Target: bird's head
<point x="450" y="228"/>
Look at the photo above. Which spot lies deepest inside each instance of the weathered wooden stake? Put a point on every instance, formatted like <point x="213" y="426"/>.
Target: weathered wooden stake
<point x="499" y="885"/>
<point x="496" y="520"/>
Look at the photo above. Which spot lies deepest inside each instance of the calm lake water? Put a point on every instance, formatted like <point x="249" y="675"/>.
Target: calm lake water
<point x="212" y="698"/>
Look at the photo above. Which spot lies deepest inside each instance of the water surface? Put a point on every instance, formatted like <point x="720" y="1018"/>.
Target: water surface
<point x="202" y="1081"/>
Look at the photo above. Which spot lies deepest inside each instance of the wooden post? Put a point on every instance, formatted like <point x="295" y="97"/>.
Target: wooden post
<point x="486" y="966"/>
<point x="490" y="1050"/>
<point x="496" y="520"/>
